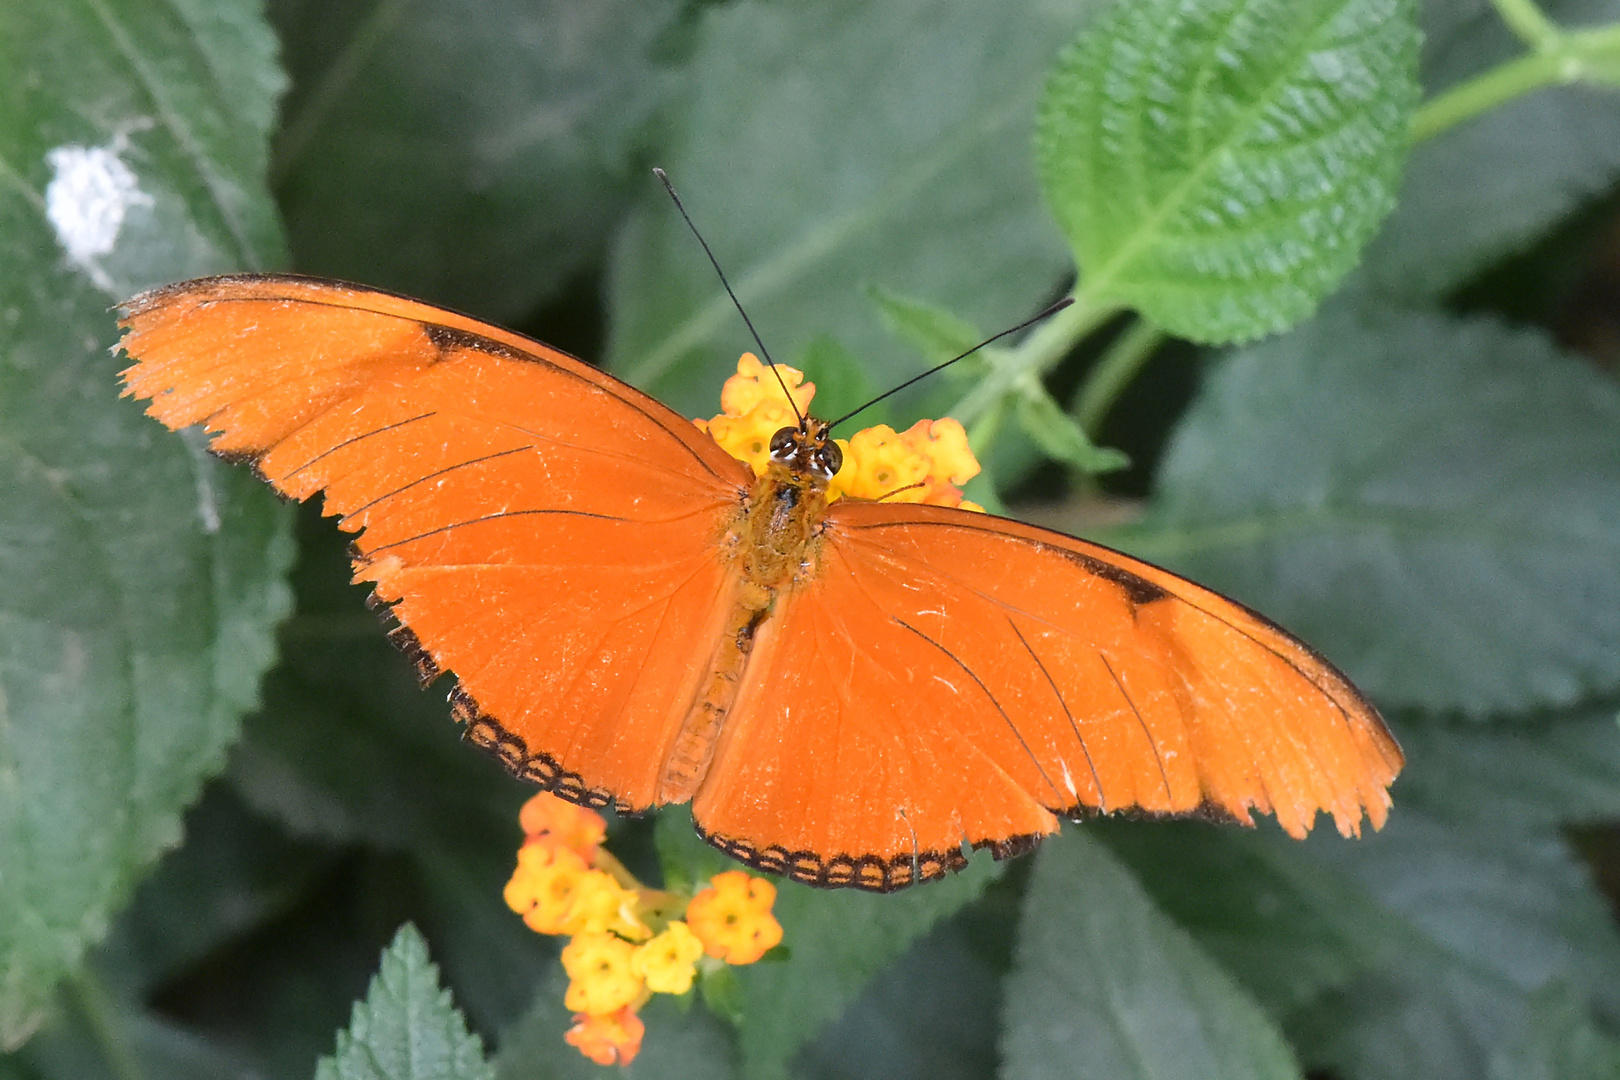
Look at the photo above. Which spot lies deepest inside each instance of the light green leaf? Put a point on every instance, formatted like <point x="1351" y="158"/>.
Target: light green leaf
<point x="937" y="333"/>
<point x="1494" y="185"/>
<point x="831" y="145"/>
<point x="139" y="580"/>
<point x="407" y="1028"/>
<point x="475" y="152"/>
<point x="1105" y="986"/>
<point x="1219" y="166"/>
<point x="1056" y="433"/>
<point x="842" y="382"/>
<point x="840" y="938"/>
<point x="1433" y="502"/>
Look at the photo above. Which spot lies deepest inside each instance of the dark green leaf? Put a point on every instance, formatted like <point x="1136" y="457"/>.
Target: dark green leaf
<point x="407" y="1028"/>
<point x="1544" y="770"/>
<point x="1219" y="166"/>
<point x="839" y="940"/>
<point x="1435" y="503"/>
<point x="1286" y="927"/>
<point x="1055" y="432"/>
<point x="933" y="1015"/>
<point x="827" y="146"/>
<point x="94" y="1036"/>
<point x="1105" y="986"/>
<point x="1562" y="1044"/>
<point x="476" y="152"/>
<point x="1492" y="185"/>
<point x="139" y="581"/>
<point x="1417" y="951"/>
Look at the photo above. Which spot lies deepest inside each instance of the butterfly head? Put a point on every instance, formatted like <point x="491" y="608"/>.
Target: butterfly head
<point x="808" y="448"/>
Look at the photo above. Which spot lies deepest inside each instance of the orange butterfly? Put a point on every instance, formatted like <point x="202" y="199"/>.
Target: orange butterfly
<point x="848" y="693"/>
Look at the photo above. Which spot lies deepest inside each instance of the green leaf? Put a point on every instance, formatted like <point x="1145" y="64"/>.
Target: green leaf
<point x="139" y="580"/>
<point x="1055" y="432"/>
<point x="1105" y="986"/>
<point x="1494" y="185"/>
<point x="842" y="381"/>
<point x="1418" y="951"/>
<point x="476" y="152"/>
<point x="840" y="939"/>
<point x="1433" y="502"/>
<point x="1562" y="1044"/>
<point x="932" y="1015"/>
<point x="1284" y="926"/>
<point x="680" y="1043"/>
<point x="1545" y="770"/>
<point x="937" y="333"/>
<point x="1219" y="166"/>
<point x="407" y="1028"/>
<point x="826" y="146"/>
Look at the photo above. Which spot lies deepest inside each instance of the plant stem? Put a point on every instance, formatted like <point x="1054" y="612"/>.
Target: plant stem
<point x="93" y="1005"/>
<point x="1113" y="372"/>
<point x="1528" y="21"/>
<point x="1049" y="343"/>
<point x="1484" y="92"/>
<point x="1560" y="58"/>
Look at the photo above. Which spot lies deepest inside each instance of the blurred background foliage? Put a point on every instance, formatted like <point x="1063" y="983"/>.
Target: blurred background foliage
<point x="221" y="794"/>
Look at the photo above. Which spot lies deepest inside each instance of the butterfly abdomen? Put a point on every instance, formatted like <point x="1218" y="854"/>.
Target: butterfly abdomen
<point x="776" y="539"/>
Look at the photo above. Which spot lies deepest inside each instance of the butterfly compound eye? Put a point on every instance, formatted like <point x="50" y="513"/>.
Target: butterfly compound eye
<point x="783" y="444"/>
<point x="830" y="458"/>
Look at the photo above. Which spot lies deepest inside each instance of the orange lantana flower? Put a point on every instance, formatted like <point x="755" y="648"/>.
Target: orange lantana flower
<point x="732" y="917"/>
<point x="612" y="1039"/>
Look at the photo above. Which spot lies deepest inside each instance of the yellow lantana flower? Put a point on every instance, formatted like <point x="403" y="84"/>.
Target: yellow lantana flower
<point x="600" y="978"/>
<point x="924" y="463"/>
<point x="668" y="962"/>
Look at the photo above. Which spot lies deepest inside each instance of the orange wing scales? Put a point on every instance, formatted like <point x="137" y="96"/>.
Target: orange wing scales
<point x="443" y="442"/>
<point x="1009" y="676"/>
<point x="850" y="696"/>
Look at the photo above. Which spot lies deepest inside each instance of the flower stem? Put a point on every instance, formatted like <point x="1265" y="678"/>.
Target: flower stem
<point x="91" y="1000"/>
<point x="1559" y="57"/>
<point x="1528" y="21"/>
<point x="1113" y="372"/>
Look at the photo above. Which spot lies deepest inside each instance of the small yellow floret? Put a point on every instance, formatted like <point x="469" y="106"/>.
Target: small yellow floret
<point x="668" y="961"/>
<point x="601" y="904"/>
<point x="543" y="887"/>
<point x="923" y="464"/>
<point x="600" y="976"/>
<point x="732" y="917"/>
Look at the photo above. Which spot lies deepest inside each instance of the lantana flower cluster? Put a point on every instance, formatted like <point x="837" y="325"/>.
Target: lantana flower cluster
<point x="926" y="463"/>
<point x="628" y="941"/>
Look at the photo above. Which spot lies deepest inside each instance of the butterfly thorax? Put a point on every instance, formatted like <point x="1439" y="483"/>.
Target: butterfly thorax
<point x="776" y="540"/>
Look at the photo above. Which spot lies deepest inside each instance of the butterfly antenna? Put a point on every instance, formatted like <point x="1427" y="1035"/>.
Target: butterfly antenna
<point x="722" y="275"/>
<point x="1053" y="310"/>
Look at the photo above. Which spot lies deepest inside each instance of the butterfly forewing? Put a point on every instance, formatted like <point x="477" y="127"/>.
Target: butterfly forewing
<point x="546" y="532"/>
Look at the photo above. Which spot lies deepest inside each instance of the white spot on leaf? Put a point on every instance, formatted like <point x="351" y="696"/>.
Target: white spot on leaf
<point x="89" y="195"/>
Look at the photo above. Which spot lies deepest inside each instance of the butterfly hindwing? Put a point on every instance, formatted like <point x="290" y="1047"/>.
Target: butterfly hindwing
<point x="951" y="678"/>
